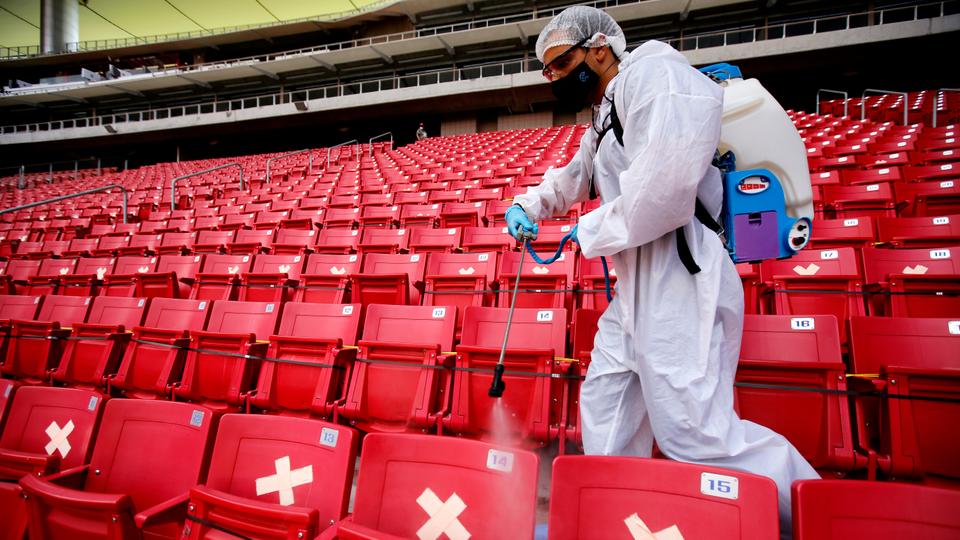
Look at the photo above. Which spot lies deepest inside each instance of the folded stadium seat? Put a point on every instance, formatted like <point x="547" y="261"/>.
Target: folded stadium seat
<point x="460" y="280"/>
<point x="380" y="240"/>
<point x="148" y="454"/>
<point x="18" y="272"/>
<point x="939" y="156"/>
<point x="326" y="278"/>
<point x="855" y="509"/>
<point x="920" y="232"/>
<point x="272" y="278"/>
<point x="866" y="200"/>
<point x="441" y="486"/>
<point x="173" y="277"/>
<point x="219" y="371"/>
<point x="816" y="282"/>
<point x="424" y="240"/>
<point x="141" y="244"/>
<point x="752" y="288"/>
<point x="49" y="430"/>
<point x="839" y="162"/>
<point x="495" y="212"/>
<point x="122" y="281"/>
<point x="479" y="194"/>
<point x="395" y="384"/>
<point x="93" y="353"/>
<point x="419" y="215"/>
<point x="219" y="276"/>
<point x="913" y="282"/>
<point x="583" y="332"/>
<point x="487" y="239"/>
<point x="176" y="243"/>
<point x="35" y="346"/>
<point x="237" y="222"/>
<point x="379" y="216"/>
<point x="853" y="177"/>
<point x="30" y="250"/>
<point x="446" y="197"/>
<point x="309" y="360"/>
<point x="270" y="219"/>
<point x="152" y="227"/>
<point x="207" y="222"/>
<point x="541" y="286"/>
<point x="294" y="242"/>
<point x="414" y="198"/>
<point x="791" y="378"/>
<point x="15" y="307"/>
<point x="344" y="200"/>
<point x="251" y="242"/>
<point x="463" y="215"/>
<point x="109" y="246"/>
<point x="179" y="225"/>
<point x="274" y="477"/>
<point x="389" y="279"/>
<point x="213" y="241"/>
<point x="914" y="362"/>
<point x="87" y="277"/>
<point x="549" y="237"/>
<point x="335" y="241"/>
<point x="341" y="218"/>
<point x="935" y="198"/>
<point x="837" y="233"/>
<point x="935" y="172"/>
<point x="153" y="360"/>
<point x="599" y="497"/>
<point x="47" y="279"/>
<point x="593" y="292"/>
<point x="534" y="403"/>
<point x="55" y="248"/>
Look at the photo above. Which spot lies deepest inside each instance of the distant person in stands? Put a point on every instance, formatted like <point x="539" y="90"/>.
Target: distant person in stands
<point x="421" y="133"/>
<point x="666" y="352"/>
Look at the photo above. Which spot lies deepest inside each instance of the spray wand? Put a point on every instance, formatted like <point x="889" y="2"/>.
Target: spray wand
<point x="497" y="386"/>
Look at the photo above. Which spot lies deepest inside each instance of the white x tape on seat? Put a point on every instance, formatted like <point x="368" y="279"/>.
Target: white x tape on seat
<point x="285" y="480"/>
<point x="639" y="530"/>
<point x="58" y="438"/>
<point x="443" y="517"/>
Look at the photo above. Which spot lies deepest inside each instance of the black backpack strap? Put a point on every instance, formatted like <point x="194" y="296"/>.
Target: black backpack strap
<point x="683" y="251"/>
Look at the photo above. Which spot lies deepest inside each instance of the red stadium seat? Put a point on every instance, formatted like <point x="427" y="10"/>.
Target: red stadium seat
<point x="308" y="365"/>
<point x="423" y="240"/>
<point x="50" y="429"/>
<point x="389" y="279"/>
<point x="800" y="352"/>
<point x="929" y="198"/>
<point x="272" y="278"/>
<point x="873" y="200"/>
<point x="326" y="278"/>
<point x="338" y="241"/>
<point x="294" y="242"/>
<point x="913" y="282"/>
<point x="86" y="277"/>
<point x="342" y="218"/>
<point x="218" y="371"/>
<point x="122" y="281"/>
<point x="213" y="241"/>
<point x="251" y="242"/>
<point x="463" y="214"/>
<point x="485" y="240"/>
<point x="460" y="280"/>
<point x="837" y="233"/>
<point x="274" y="477"/>
<point x="599" y="497"/>
<point x="541" y="286"/>
<point x="93" y="353"/>
<point x="419" y="215"/>
<point x="19" y="271"/>
<point x="532" y="405"/>
<point x="219" y="276"/>
<point x="441" y="486"/>
<point x="153" y="361"/>
<point x="915" y="360"/>
<point x="378" y="240"/>
<point x="395" y="384"/>
<point x="173" y="278"/>
<point x="47" y="280"/>
<point x="152" y="452"/>
<point x="920" y="232"/>
<point x="379" y="216"/>
<point x="859" y="510"/>
<point x="593" y="292"/>
<point x="584" y="330"/>
<point x="35" y="346"/>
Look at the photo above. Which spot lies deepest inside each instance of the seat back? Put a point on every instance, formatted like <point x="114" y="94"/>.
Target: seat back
<point x="882" y="342"/>
<point x="335" y="240"/>
<point x="177" y="314"/>
<point x="487" y="239"/>
<point x="424" y="240"/>
<point x="131" y="264"/>
<point x="836" y="233"/>
<point x="57" y="422"/>
<point x="258" y="318"/>
<point x="321" y="321"/>
<point x="291" y="265"/>
<point x="916" y="280"/>
<point x="226" y="264"/>
<point x="380" y="240"/>
<point x="114" y="310"/>
<point x="409" y="481"/>
<point x="185" y="266"/>
<point x="556" y="279"/>
<point x="409" y="324"/>
<point x="843" y="509"/>
<point x="928" y="232"/>
<point x="377" y="283"/>
<point x="15" y="306"/>
<point x="64" y="309"/>
<point x="530" y="328"/>
<point x="599" y="497"/>
<point x="254" y="453"/>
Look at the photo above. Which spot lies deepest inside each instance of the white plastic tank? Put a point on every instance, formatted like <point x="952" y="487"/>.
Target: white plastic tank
<point x="761" y="135"/>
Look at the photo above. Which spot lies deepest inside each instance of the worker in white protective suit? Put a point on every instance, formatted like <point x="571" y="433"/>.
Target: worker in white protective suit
<point x="664" y="358"/>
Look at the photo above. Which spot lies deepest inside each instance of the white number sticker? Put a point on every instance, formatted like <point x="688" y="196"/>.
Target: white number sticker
<point x="500" y="461"/>
<point x="196" y="419"/>
<point x="452" y="231"/>
<point x="829" y="255"/>
<point x="941" y="221"/>
<point x="801" y="323"/>
<point x="940" y="254"/>
<point x="246" y="258"/>
<point x="565" y="228"/>
<point x="401" y="232"/>
<point x="544" y="316"/>
<point x="202" y="306"/>
<point x="414" y="258"/>
<point x="196" y="259"/>
<point x="851" y="222"/>
<point x="439" y="312"/>
<point x="269" y="308"/>
<point x="873" y="187"/>
<point x="92" y="405"/>
<point x="353" y="258"/>
<point x="7" y="391"/>
<point x="946" y="184"/>
<point x="483" y="257"/>
<point x="946" y="167"/>
<point x="953" y="327"/>
<point x="329" y="436"/>
<point x="140" y="302"/>
<point x="718" y="485"/>
<point x="347" y="310"/>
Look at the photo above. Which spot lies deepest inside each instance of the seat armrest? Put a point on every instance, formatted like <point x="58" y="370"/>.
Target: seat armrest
<point x="293" y="516"/>
<point x="170" y="510"/>
<point x="75" y="498"/>
<point x="348" y="530"/>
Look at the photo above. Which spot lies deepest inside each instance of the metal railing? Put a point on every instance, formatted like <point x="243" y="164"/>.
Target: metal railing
<point x="122" y="189"/>
<point x="936" y="105"/>
<point x="173" y="183"/>
<point x="288" y="154"/>
<point x="837" y="92"/>
<point x="708" y="40"/>
<point x="380" y="136"/>
<point x="351" y="141"/>
<point x="863" y="102"/>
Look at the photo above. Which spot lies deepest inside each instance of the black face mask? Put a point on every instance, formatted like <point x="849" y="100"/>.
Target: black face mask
<point x="574" y="90"/>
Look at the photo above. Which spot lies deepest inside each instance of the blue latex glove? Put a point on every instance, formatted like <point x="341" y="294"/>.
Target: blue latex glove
<point x="573" y="234"/>
<point x="518" y="222"/>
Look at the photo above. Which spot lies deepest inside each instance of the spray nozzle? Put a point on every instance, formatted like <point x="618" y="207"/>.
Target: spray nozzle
<point x="497" y="386"/>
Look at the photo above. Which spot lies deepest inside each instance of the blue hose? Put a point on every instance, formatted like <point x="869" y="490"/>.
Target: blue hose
<point x="563" y="244"/>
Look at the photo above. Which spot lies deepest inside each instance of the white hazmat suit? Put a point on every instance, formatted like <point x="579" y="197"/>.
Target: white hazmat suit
<point x="666" y="352"/>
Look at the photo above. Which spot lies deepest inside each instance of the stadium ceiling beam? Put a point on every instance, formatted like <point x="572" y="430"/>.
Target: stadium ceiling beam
<point x="524" y="38"/>
<point x="136" y="93"/>
<point x="195" y="81"/>
<point x="384" y="56"/>
<point x="450" y="50"/>
<point x="71" y="98"/>
<point x="685" y="12"/>
<point x="273" y="76"/>
<point x="326" y="65"/>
